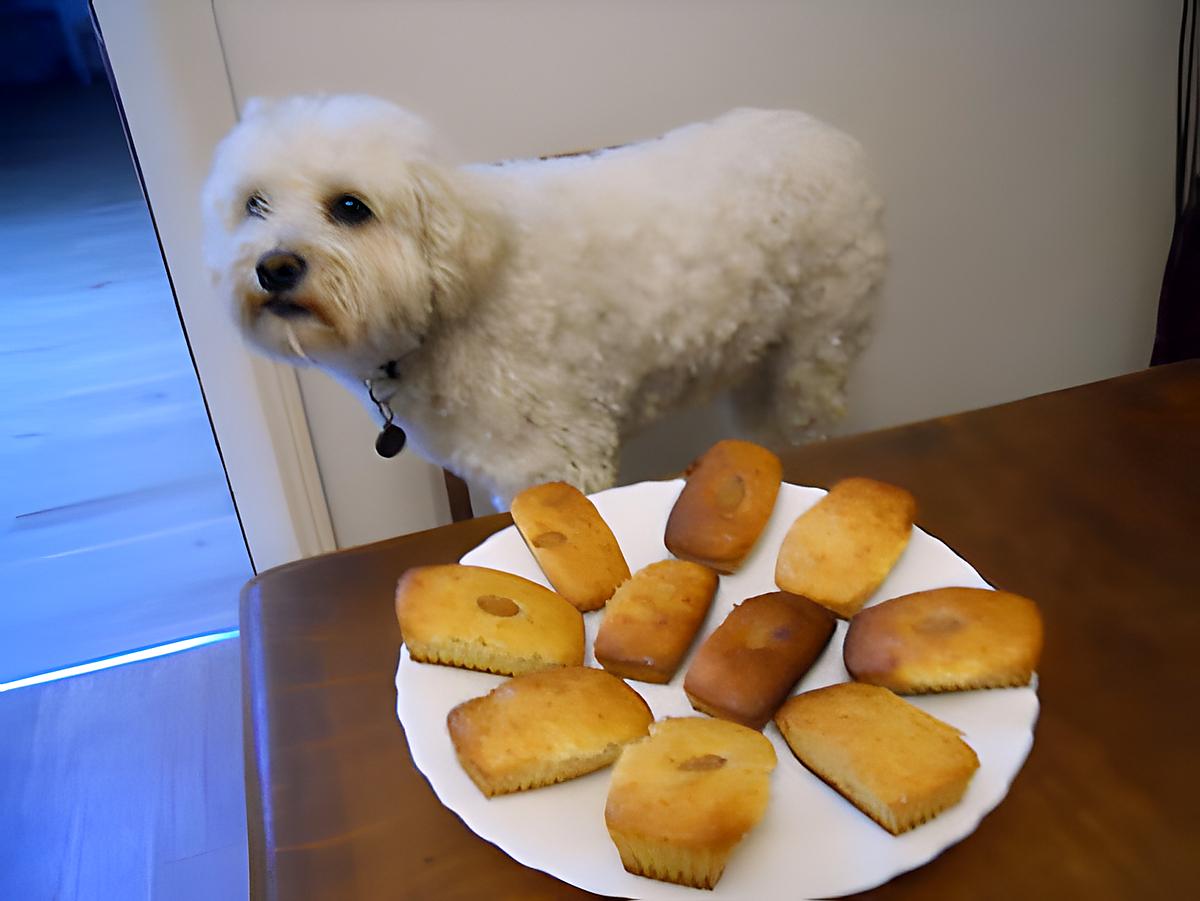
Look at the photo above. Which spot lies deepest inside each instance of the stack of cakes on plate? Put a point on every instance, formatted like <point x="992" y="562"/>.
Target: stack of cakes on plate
<point x="686" y="790"/>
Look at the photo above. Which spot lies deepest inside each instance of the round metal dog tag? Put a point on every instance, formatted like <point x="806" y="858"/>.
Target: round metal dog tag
<point x="390" y="441"/>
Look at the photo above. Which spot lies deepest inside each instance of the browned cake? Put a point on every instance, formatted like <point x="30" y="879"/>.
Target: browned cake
<point x="748" y="665"/>
<point x="893" y="761"/>
<point x="945" y="640"/>
<point x="484" y="619"/>
<point x="725" y="505"/>
<point x="650" y="622"/>
<point x="681" y="800"/>
<point x="572" y="544"/>
<point x="546" y="727"/>
<point x="842" y="548"/>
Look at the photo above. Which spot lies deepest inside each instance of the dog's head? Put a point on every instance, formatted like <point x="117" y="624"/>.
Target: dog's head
<point x="336" y="233"/>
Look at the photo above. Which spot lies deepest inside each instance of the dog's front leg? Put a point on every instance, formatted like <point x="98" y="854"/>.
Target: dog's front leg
<point x="581" y="455"/>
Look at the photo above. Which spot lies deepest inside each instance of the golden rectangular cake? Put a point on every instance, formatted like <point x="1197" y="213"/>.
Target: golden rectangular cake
<point x="842" y="548"/>
<point x="748" y="665"/>
<point x="681" y="800"/>
<point x="893" y="761"/>
<point x="571" y="542"/>
<point x="946" y="639"/>
<point x="546" y="727"/>
<point x="650" y="622"/>
<point x="485" y="619"/>
<point x="725" y="505"/>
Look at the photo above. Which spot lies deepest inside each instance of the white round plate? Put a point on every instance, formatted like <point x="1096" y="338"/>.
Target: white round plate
<point x="811" y="843"/>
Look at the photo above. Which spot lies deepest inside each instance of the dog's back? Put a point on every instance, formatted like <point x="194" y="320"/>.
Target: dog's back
<point x="680" y="260"/>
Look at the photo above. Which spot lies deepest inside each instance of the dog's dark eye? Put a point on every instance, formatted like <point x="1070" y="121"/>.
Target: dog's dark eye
<point x="349" y="210"/>
<point x="257" y="206"/>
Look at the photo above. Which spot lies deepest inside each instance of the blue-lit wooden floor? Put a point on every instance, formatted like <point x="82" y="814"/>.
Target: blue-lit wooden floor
<point x="116" y="531"/>
<point x="116" y="526"/>
<point x="126" y="784"/>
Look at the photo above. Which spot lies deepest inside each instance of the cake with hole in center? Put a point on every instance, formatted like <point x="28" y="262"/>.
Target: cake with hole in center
<point x="485" y="619"/>
<point x="571" y="542"/>
<point x="682" y="799"/>
<point x="947" y="639"/>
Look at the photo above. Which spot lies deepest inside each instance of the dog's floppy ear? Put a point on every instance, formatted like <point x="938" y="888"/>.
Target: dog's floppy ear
<point x="462" y="238"/>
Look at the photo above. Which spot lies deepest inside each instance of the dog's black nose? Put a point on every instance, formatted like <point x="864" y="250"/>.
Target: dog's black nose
<point x="279" y="270"/>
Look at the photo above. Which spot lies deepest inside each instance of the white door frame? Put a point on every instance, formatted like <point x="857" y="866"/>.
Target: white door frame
<point x="169" y="69"/>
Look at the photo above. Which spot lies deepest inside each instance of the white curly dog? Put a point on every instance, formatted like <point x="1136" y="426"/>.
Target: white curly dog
<point x="520" y="319"/>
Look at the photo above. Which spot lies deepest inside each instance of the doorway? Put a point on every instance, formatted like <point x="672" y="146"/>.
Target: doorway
<point x="117" y="527"/>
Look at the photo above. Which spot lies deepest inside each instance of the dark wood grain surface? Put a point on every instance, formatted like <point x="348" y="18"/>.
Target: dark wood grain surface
<point x="1087" y="500"/>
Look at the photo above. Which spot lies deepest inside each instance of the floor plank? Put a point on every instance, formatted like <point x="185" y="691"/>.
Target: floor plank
<point x="126" y="783"/>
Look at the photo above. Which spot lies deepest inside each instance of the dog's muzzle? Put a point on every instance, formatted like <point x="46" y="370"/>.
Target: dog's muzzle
<point x="280" y="270"/>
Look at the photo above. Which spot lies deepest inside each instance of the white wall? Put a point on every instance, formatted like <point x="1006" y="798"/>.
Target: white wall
<point x="1025" y="149"/>
<point x="170" y="75"/>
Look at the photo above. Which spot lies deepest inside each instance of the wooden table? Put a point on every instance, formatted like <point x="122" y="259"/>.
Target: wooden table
<point x="1087" y="500"/>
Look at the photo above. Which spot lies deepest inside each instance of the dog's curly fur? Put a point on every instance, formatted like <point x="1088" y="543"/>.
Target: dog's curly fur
<point x="539" y="311"/>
